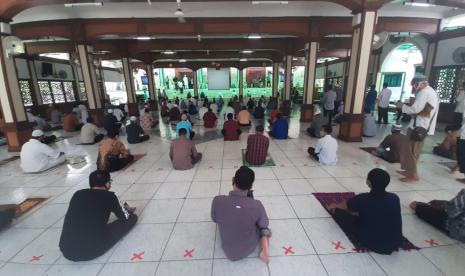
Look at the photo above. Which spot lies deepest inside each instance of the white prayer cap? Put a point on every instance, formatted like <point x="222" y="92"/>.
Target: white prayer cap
<point x="133" y="118"/>
<point x="37" y="133"/>
<point x="110" y="110"/>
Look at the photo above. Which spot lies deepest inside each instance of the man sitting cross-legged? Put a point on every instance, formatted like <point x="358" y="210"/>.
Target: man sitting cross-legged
<point x="231" y="129"/>
<point x="37" y="157"/>
<point x="112" y="155"/>
<point x="135" y="132"/>
<point x="90" y="134"/>
<point x="183" y="153"/>
<point x="389" y="149"/>
<point x="242" y="221"/>
<point x="325" y="150"/>
<point x="373" y="218"/>
<point x="86" y="232"/>
<point x="257" y="147"/>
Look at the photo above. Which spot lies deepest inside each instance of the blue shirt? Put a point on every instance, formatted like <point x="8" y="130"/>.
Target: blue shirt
<point x="186" y="125"/>
<point x="379" y="226"/>
<point x="280" y="129"/>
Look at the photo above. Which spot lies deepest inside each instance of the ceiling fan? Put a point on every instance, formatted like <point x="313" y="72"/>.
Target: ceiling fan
<point x="179" y="13"/>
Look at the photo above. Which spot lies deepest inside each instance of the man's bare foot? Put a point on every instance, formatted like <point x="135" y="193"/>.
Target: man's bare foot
<point x="410" y="179"/>
<point x="264" y="256"/>
<point x="402" y="172"/>
<point x="461" y="180"/>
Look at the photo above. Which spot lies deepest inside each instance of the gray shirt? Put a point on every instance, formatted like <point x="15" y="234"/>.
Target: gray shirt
<point x="328" y="99"/>
<point x="239" y="220"/>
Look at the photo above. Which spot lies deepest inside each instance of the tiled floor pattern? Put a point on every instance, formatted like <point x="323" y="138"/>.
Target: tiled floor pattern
<point x="175" y="234"/>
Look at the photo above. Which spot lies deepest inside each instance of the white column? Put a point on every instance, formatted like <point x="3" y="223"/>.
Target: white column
<point x="287" y="80"/>
<point x="129" y="81"/>
<point x="310" y="69"/>
<point x="35" y="83"/>
<point x="241" y="82"/>
<point x="275" y="79"/>
<point x="89" y="76"/>
<point x="195" y="83"/>
<point x="430" y="57"/>
<point x="151" y="82"/>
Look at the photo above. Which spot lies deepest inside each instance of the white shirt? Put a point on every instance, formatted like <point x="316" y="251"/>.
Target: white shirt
<point x="384" y="97"/>
<point x="200" y="103"/>
<point x="426" y="95"/>
<point x="202" y="112"/>
<point x="460" y="102"/>
<point x="369" y="126"/>
<point x="35" y="156"/>
<point x="227" y="111"/>
<point x="328" y="99"/>
<point x="327" y="150"/>
<point x="88" y="133"/>
<point x="214" y="107"/>
<point x="118" y="114"/>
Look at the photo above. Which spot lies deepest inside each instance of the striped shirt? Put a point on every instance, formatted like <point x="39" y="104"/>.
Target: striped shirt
<point x="257" y="149"/>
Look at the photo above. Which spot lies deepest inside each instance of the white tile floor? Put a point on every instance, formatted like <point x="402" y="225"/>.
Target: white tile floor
<point x="174" y="213"/>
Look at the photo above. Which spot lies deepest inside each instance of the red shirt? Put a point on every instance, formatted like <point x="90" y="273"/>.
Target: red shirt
<point x="231" y="132"/>
<point x="257" y="149"/>
<point x="209" y="119"/>
<point x="70" y="123"/>
<point x="274" y="114"/>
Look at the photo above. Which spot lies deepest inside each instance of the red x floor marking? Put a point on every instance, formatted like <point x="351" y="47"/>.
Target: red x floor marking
<point x="160" y="169"/>
<point x="188" y="253"/>
<point x="288" y="250"/>
<point x="338" y="245"/>
<point x="137" y="256"/>
<point x="432" y="242"/>
<point x="210" y="167"/>
<point x="36" y="258"/>
<point x="235" y="167"/>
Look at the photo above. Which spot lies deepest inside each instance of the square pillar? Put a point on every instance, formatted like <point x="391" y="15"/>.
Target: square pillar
<point x="34" y="81"/>
<point x="275" y="79"/>
<point x="288" y="78"/>
<point x="130" y="91"/>
<point x="430" y="59"/>
<point x="241" y="82"/>
<point x="352" y="120"/>
<point x="16" y="127"/>
<point x="151" y="82"/>
<point x="90" y="82"/>
<point x="306" y="110"/>
<point x="196" y="82"/>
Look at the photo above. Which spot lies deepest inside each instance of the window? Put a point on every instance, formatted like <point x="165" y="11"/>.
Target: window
<point x="56" y="91"/>
<point x="445" y="79"/>
<point x="393" y="79"/>
<point x="82" y="91"/>
<point x="25" y="90"/>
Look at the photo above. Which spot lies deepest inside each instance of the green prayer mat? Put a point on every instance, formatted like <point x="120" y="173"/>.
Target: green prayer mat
<point x="268" y="163"/>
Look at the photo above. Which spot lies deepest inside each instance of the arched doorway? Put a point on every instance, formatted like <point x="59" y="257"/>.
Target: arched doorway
<point x="398" y="69"/>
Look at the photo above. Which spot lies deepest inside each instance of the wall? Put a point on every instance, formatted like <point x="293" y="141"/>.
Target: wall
<point x="446" y="49"/>
<point x="22" y="68"/>
<point x="57" y="67"/>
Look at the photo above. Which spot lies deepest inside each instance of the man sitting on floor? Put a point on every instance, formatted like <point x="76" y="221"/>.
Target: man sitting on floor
<point x="37" y="157"/>
<point x="202" y="111"/>
<point x="183" y="153"/>
<point x="279" y="128"/>
<point x="372" y="218"/>
<point x="448" y="147"/>
<point x="209" y="119"/>
<point x="447" y="216"/>
<point x="242" y="221"/>
<point x="147" y="122"/>
<point x="244" y="117"/>
<point x="184" y="123"/>
<point x="86" y="232"/>
<point x="317" y="123"/>
<point x="7" y="214"/>
<point x="389" y="149"/>
<point x="259" y="112"/>
<point x="231" y="129"/>
<point x="112" y="155"/>
<point x="90" y="134"/>
<point x="71" y="122"/>
<point x="135" y="132"/>
<point x="111" y="124"/>
<point x="369" y="125"/>
<point x="326" y="148"/>
<point x="56" y="117"/>
<point x="257" y="147"/>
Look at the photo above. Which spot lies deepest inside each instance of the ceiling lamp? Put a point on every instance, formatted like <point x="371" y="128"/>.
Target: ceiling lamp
<point x="179" y="13"/>
<point x="247" y="51"/>
<point x="243" y="59"/>
<point x="419" y="4"/>
<point x="144" y="38"/>
<point x="70" y="5"/>
<point x="182" y="60"/>
<point x="168" y="53"/>
<point x="254" y="36"/>
<point x="269" y="2"/>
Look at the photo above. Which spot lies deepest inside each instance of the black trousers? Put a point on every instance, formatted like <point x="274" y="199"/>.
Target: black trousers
<point x="458" y="118"/>
<point x="118" y="164"/>
<point x="311" y="151"/>
<point x="141" y="139"/>
<point x="115" y="232"/>
<point x="347" y="222"/>
<point x="7" y="213"/>
<point x="460" y="154"/>
<point x="383" y="114"/>
<point x="433" y="213"/>
<point x="98" y="138"/>
<point x="443" y="152"/>
<point x="329" y="113"/>
<point x="49" y="139"/>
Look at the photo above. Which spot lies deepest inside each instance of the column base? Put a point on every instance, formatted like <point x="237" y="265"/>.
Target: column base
<point x="351" y="127"/>
<point x="306" y="112"/>
<point x="17" y="134"/>
<point x="133" y="109"/>
<point x="98" y="115"/>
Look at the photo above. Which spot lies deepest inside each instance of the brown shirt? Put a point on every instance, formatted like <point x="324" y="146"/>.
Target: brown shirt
<point x="110" y="146"/>
<point x="394" y="142"/>
<point x="239" y="220"/>
<point x="182" y="151"/>
<point x="70" y="122"/>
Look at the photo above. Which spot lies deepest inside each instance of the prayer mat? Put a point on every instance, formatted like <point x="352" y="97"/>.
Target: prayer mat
<point x="448" y="164"/>
<point x="55" y="128"/>
<point x="137" y="157"/>
<point x="370" y="151"/>
<point x="326" y="199"/>
<point x="5" y="161"/>
<point x="28" y="204"/>
<point x="268" y="162"/>
<point x="62" y="138"/>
